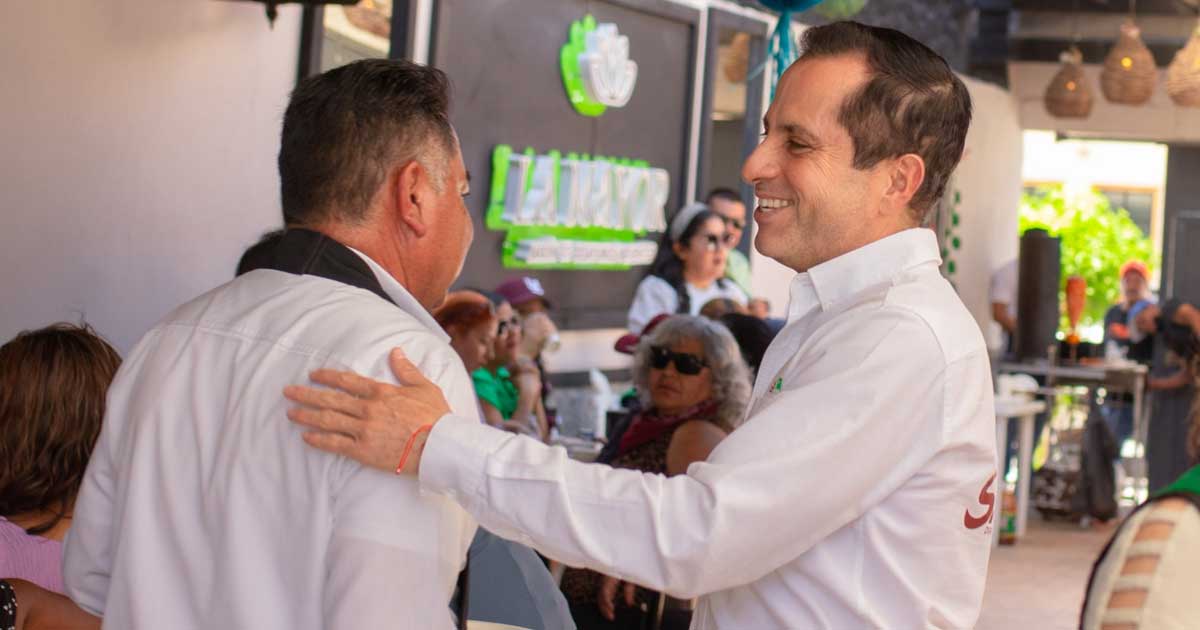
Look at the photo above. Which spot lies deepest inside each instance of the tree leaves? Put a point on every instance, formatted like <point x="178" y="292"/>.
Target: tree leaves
<point x="1096" y="240"/>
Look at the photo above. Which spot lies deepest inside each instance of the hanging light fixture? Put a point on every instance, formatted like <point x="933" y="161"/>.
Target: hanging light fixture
<point x="1129" y="71"/>
<point x="1183" y="75"/>
<point x="1068" y="94"/>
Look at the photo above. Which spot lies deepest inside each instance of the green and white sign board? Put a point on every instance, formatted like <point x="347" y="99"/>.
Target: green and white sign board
<point x="596" y="68"/>
<point x="575" y="211"/>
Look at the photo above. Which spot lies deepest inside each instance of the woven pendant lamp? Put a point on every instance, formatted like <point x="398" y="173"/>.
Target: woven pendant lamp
<point x="1183" y="75"/>
<point x="1068" y="94"/>
<point x="1129" y="72"/>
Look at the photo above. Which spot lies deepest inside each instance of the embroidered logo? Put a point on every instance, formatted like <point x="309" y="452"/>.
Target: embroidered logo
<point x="778" y="386"/>
<point x="987" y="498"/>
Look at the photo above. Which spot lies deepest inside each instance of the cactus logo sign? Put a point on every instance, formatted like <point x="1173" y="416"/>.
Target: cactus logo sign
<point x="575" y="211"/>
<point x="596" y="68"/>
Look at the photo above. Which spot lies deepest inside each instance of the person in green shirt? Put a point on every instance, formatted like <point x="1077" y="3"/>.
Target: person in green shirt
<point x="729" y="205"/>
<point x="508" y="386"/>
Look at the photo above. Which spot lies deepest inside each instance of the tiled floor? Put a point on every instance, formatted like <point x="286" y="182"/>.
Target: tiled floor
<point x="1038" y="583"/>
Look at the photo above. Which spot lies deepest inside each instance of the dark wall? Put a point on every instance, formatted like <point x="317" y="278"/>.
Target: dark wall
<point x="940" y="24"/>
<point x="1181" y="225"/>
<point x="502" y="56"/>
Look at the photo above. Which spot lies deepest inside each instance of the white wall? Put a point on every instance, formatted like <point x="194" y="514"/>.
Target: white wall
<point x="139" y="141"/>
<point x="989" y="178"/>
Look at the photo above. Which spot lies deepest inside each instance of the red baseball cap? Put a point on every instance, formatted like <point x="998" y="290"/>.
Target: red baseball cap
<point x="1135" y="265"/>
<point x="521" y="290"/>
<point x="627" y="344"/>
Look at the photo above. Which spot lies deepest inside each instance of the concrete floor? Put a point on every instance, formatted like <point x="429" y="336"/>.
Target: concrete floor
<point x="1038" y="583"/>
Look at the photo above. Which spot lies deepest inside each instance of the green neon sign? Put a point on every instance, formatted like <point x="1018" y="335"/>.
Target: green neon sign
<point x="575" y="211"/>
<point x="596" y="69"/>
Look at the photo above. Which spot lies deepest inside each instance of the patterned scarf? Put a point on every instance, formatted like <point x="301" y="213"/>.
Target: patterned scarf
<point x="649" y="425"/>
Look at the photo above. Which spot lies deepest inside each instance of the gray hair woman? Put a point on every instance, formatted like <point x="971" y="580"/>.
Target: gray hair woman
<point x="694" y="387"/>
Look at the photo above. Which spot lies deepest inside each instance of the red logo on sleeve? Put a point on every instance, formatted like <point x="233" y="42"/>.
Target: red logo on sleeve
<point x="986" y="498"/>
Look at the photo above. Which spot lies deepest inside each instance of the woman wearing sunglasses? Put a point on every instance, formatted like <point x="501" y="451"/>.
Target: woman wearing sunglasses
<point x="694" y="387"/>
<point x="508" y="384"/>
<point x="689" y="269"/>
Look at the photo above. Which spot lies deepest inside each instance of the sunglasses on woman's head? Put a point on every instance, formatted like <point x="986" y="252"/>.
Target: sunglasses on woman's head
<point x="686" y="364"/>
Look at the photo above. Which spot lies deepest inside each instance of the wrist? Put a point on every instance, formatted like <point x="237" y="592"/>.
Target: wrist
<point x="410" y="459"/>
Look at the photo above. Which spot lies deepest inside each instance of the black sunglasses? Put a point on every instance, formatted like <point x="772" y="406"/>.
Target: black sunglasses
<point x="713" y="241"/>
<point x="686" y="364"/>
<point x="504" y="324"/>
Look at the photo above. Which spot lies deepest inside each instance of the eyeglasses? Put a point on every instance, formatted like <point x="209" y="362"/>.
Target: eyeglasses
<point x="736" y="224"/>
<point x="713" y="241"/>
<point x="504" y="325"/>
<point x="686" y="364"/>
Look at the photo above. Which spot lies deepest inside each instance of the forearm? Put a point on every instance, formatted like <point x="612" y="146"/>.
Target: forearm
<point x="1174" y="381"/>
<point x="572" y="512"/>
<point x="685" y="535"/>
<point x="1189" y="316"/>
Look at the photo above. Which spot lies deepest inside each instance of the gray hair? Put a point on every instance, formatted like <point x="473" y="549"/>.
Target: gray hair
<point x="730" y="376"/>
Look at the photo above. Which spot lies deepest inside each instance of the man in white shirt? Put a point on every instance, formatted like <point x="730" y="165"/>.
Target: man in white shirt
<point x="859" y="490"/>
<point x="200" y="508"/>
<point x="1003" y="293"/>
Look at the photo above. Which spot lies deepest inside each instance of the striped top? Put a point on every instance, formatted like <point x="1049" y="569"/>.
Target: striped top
<point x="32" y="558"/>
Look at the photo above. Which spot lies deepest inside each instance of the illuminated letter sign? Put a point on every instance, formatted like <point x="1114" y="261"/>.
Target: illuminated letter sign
<point x="576" y="211"/>
<point x="596" y="68"/>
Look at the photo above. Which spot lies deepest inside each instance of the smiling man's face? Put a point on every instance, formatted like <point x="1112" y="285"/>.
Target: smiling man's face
<point x="813" y="204"/>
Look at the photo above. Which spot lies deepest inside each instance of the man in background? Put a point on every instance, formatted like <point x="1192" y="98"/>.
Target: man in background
<point x="729" y="205"/>
<point x="1004" y="305"/>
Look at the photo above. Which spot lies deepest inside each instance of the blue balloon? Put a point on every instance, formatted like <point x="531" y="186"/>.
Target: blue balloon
<point x="790" y="5"/>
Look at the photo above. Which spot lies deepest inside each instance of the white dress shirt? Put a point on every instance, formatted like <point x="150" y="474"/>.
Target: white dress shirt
<point x="856" y="493"/>
<point x="655" y="295"/>
<point x="203" y="508"/>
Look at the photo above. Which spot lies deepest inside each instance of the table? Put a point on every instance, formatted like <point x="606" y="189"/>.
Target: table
<point x="1022" y="410"/>
<point x="1123" y="377"/>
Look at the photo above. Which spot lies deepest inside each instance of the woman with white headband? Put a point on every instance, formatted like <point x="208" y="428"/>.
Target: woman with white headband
<point x="689" y="269"/>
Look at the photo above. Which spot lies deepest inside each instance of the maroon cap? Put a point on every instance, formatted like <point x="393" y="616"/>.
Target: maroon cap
<point x="521" y="290"/>
<point x="627" y="344"/>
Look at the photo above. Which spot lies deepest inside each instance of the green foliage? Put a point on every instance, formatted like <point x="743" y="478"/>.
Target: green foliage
<point x="1096" y="240"/>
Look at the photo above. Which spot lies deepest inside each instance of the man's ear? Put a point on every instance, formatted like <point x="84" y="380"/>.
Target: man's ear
<point x="906" y="175"/>
<point x="412" y="195"/>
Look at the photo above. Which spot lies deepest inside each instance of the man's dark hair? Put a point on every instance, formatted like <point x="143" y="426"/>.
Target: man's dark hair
<point x="912" y="103"/>
<point x="345" y="128"/>
<point x="726" y="194"/>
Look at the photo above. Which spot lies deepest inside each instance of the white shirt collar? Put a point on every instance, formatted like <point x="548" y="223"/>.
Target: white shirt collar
<point x="402" y="297"/>
<point x="874" y="263"/>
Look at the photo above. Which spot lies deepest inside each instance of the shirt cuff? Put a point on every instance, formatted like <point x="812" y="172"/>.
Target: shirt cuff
<point x="454" y="459"/>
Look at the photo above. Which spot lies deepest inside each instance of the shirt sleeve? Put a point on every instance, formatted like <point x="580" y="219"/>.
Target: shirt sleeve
<point x="729" y="520"/>
<point x="88" y="552"/>
<point x="654" y="295"/>
<point x="737" y="268"/>
<point x="1004" y="286"/>
<point x="486" y="387"/>
<point x="380" y="546"/>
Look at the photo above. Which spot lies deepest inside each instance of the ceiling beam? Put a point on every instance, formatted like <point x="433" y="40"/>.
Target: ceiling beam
<point x="1144" y="7"/>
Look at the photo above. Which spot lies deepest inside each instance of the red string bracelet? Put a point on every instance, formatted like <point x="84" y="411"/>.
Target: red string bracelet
<point x="412" y="439"/>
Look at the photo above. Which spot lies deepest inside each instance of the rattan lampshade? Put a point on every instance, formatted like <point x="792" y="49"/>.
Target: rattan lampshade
<point x="1183" y="75"/>
<point x="1068" y="94"/>
<point x="1129" y="72"/>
